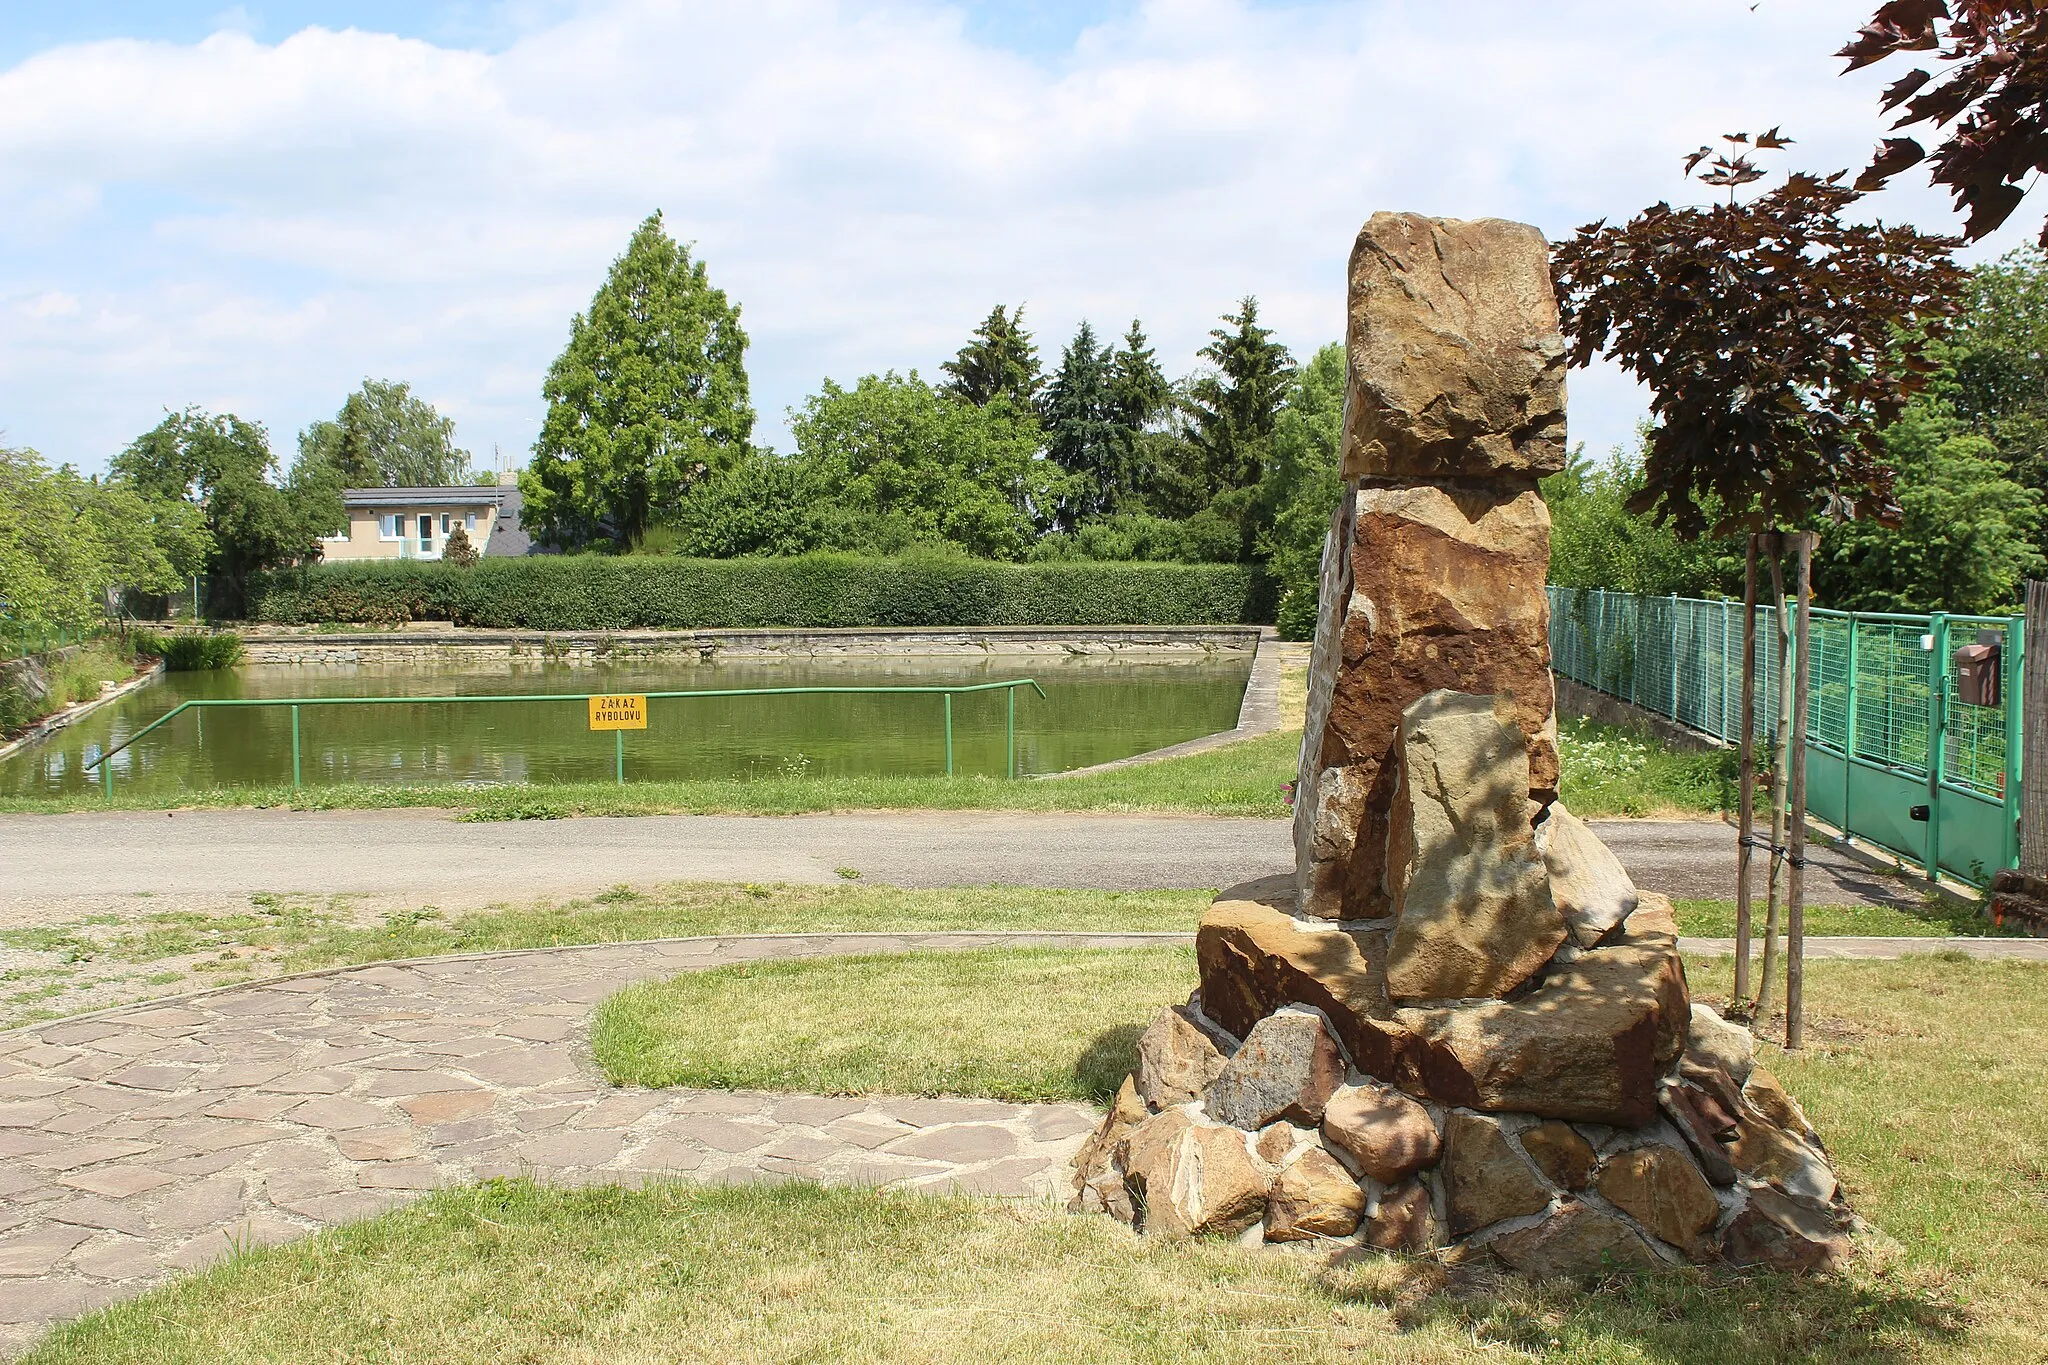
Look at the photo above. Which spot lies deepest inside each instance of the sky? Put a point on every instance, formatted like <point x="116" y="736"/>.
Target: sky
<point x="253" y="209"/>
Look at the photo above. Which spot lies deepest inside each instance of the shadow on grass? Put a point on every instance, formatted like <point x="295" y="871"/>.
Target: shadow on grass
<point x="1699" y="1316"/>
<point x="1109" y="1057"/>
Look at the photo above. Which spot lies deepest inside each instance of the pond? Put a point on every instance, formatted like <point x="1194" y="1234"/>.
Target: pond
<point x="1094" y="710"/>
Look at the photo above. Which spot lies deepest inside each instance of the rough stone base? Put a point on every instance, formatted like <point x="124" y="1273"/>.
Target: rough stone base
<point x="1717" y="1164"/>
<point x="2020" y="902"/>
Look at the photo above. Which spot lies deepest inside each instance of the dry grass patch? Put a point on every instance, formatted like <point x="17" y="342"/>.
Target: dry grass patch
<point x="106" y="960"/>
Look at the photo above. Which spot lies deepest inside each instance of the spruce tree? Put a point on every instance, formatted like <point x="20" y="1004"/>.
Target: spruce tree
<point x="1001" y="361"/>
<point x="1081" y="433"/>
<point x="1139" y="395"/>
<point x="1138" y="387"/>
<point x="1235" y="409"/>
<point x="649" y="396"/>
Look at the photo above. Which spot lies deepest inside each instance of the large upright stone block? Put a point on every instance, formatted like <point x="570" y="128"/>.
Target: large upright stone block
<point x="1474" y="915"/>
<point x="1456" y="365"/>
<point x="1588" y="1045"/>
<point x="1442" y="589"/>
<point x="1434" y="566"/>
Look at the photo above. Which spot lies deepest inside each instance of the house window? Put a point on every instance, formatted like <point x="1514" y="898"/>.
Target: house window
<point x="390" y="527"/>
<point x="426" y="532"/>
<point x="469" y="522"/>
<point x="444" y="524"/>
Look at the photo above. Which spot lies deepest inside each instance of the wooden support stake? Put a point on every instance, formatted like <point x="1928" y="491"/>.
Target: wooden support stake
<point x="1795" y="886"/>
<point x="1781" y="756"/>
<point x="1746" y="800"/>
<point x="2034" y="732"/>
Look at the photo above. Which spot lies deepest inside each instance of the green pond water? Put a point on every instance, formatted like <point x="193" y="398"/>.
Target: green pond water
<point x="1093" y="711"/>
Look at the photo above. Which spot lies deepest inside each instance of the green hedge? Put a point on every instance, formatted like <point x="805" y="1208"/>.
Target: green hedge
<point x="589" y="592"/>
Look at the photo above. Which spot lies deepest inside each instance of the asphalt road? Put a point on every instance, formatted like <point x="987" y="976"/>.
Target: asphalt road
<point x="57" y="866"/>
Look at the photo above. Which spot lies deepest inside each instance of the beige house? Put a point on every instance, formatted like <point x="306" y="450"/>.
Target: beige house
<point x="415" y="523"/>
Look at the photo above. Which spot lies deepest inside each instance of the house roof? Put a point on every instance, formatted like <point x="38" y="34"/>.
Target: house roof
<point x="508" y="538"/>
<point x="455" y="495"/>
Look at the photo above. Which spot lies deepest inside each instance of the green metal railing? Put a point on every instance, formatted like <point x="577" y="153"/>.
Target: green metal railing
<point x="1894" y="755"/>
<point x="1009" y="689"/>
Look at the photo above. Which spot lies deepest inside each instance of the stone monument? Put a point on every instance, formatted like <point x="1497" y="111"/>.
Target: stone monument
<point x="1458" y="1028"/>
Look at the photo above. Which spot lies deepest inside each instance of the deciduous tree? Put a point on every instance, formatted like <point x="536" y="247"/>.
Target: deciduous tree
<point x="1596" y="542"/>
<point x="1994" y="376"/>
<point x="1966" y="534"/>
<point x="649" y="395"/>
<point x="386" y="437"/>
<point x="1991" y="100"/>
<point x="67" y="540"/>
<point x="896" y="450"/>
<point x="223" y="465"/>
<point x="1778" y="340"/>
<point x="764" y="505"/>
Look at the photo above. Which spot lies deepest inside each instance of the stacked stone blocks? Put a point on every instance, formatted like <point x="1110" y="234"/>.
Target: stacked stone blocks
<point x="1458" y="1027"/>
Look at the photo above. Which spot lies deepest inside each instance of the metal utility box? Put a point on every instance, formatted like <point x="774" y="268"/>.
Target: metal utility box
<point x="1979" y="671"/>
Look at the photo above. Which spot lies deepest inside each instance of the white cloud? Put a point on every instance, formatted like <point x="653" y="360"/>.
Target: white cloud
<point x="262" y="225"/>
<point x="53" y="303"/>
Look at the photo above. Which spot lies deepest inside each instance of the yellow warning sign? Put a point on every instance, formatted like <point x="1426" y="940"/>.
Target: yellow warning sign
<point x="618" y="713"/>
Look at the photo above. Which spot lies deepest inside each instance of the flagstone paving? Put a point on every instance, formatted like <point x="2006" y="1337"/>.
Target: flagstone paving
<point x="142" y="1141"/>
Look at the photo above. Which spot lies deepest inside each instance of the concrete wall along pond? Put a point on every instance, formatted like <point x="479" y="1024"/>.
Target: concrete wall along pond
<point x="443" y="644"/>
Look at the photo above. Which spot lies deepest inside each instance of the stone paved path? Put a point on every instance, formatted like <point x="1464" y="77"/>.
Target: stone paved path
<point x="145" y="1140"/>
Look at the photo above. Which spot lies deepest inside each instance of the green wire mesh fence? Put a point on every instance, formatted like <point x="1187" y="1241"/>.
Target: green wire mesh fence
<point x="21" y="641"/>
<point x="1896" y="756"/>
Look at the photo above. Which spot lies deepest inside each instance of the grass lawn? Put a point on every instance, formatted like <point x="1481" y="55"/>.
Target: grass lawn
<point x="106" y="960"/>
<point x="1938" y="1123"/>
<point x="1607" y="770"/>
<point x="1022" y="1024"/>
<point x="1932" y="917"/>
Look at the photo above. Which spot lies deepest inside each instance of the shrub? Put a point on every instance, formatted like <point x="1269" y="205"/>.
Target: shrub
<point x="591" y="592"/>
<point x="458" y="551"/>
<point x="1201" y="539"/>
<point x="41" y="686"/>
<point x="1297" y="614"/>
<point x="17" y="705"/>
<point x="193" y="653"/>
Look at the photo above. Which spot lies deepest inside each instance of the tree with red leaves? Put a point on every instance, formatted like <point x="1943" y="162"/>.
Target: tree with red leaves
<point x="1993" y="99"/>
<point x="1778" y="341"/>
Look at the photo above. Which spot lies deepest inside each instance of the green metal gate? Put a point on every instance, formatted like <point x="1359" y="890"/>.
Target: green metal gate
<point x="1894" y="756"/>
